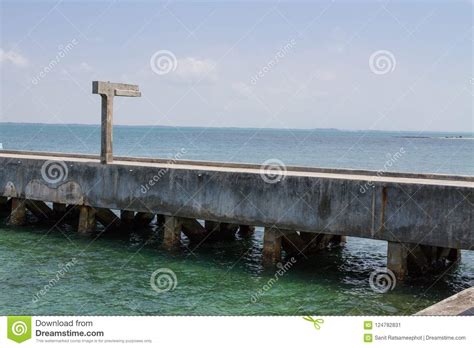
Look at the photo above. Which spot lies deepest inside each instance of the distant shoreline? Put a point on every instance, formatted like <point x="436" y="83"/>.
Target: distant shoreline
<point x="443" y="134"/>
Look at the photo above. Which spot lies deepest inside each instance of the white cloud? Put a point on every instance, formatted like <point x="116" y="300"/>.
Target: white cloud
<point x="242" y="89"/>
<point x="194" y="69"/>
<point x="13" y="57"/>
<point x="326" y="75"/>
<point x="85" y="67"/>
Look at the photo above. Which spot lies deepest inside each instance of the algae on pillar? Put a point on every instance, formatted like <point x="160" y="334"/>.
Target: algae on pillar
<point x="397" y="259"/>
<point x="408" y="258"/>
<point x="18" y="213"/>
<point x="87" y="221"/>
<point x="271" y="245"/>
<point x="172" y="232"/>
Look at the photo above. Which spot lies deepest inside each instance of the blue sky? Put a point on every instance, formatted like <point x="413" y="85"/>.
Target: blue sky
<point x="242" y="64"/>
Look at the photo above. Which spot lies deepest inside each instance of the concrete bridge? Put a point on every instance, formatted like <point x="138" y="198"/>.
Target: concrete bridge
<point x="426" y="219"/>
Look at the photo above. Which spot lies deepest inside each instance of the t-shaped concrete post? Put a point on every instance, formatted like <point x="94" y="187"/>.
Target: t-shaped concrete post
<point x="108" y="91"/>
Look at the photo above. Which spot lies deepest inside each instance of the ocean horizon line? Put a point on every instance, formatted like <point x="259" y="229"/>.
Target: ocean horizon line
<point x="330" y="129"/>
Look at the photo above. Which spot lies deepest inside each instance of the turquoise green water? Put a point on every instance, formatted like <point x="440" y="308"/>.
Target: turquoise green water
<point x="112" y="276"/>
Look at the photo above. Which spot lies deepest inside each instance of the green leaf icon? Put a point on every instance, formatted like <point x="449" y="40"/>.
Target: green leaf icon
<point x="19" y="328"/>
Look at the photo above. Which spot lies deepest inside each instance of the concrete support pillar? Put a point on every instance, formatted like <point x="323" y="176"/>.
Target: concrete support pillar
<point x="160" y="220"/>
<point x="227" y="231"/>
<point x="59" y="209"/>
<point x="72" y="212"/>
<point x="143" y="219"/>
<point x="172" y="232"/>
<point x="107" y="218"/>
<point x="5" y="206"/>
<point x="271" y="246"/>
<point x="246" y="230"/>
<point x="39" y="209"/>
<point x="309" y="243"/>
<point x="18" y="213"/>
<point x="454" y="255"/>
<point x="108" y="91"/>
<point x="397" y="259"/>
<point x="126" y="217"/>
<point x="403" y="259"/>
<point x="339" y="240"/>
<point x="87" y="221"/>
<point x="193" y="230"/>
<point x="212" y="227"/>
<point x="218" y="231"/>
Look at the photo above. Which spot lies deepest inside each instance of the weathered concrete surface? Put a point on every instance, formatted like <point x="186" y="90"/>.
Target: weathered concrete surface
<point x="18" y="213"/>
<point x="193" y="230"/>
<point x="172" y="232"/>
<point x="87" y="222"/>
<point x="460" y="304"/>
<point x="108" y="91"/>
<point x="39" y="209"/>
<point x="107" y="218"/>
<point x="397" y="259"/>
<point x="427" y="209"/>
<point x="413" y="259"/>
<point x="271" y="246"/>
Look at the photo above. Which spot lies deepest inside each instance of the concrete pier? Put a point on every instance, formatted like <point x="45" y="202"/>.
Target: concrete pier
<point x="460" y="304"/>
<point x="425" y="218"/>
<point x="321" y="206"/>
